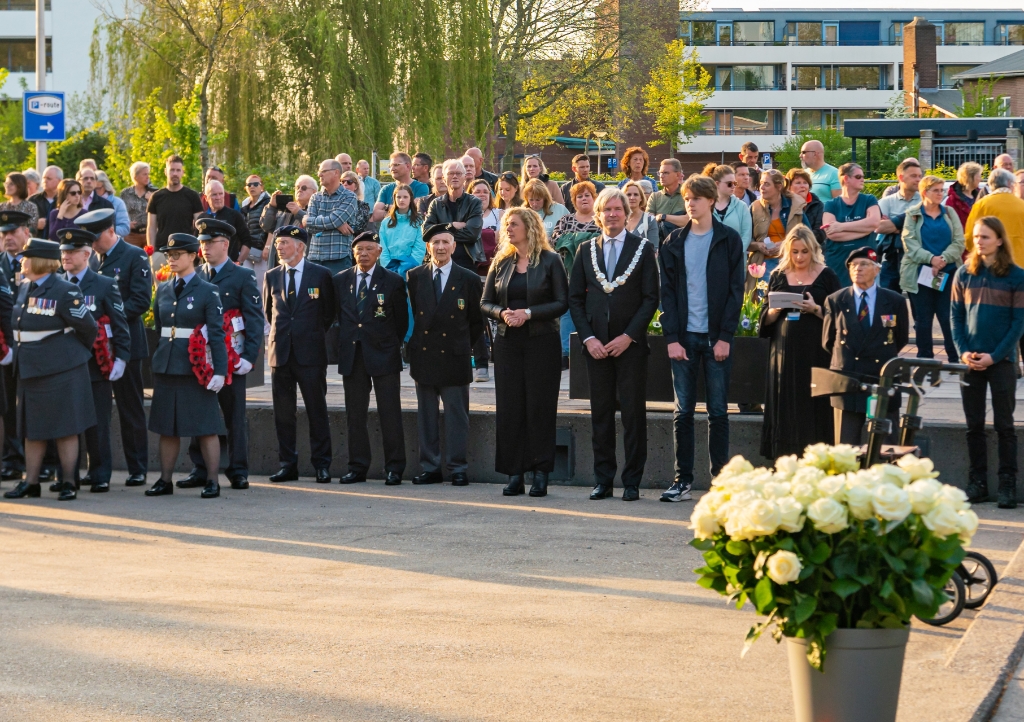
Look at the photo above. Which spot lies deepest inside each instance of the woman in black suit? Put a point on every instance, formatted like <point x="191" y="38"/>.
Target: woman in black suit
<point x="526" y="293"/>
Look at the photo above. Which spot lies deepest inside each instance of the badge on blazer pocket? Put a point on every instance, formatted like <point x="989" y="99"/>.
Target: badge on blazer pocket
<point x="314" y="293"/>
<point x="889" y="320"/>
<point x="462" y="304"/>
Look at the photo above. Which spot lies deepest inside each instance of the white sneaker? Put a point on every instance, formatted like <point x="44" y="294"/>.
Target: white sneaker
<point x="677" y="492"/>
<point x="481" y="375"/>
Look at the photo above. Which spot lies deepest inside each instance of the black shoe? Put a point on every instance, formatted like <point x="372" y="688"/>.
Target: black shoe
<point x="393" y="479"/>
<point x="211" y="490"/>
<point x="99" y="487"/>
<point x="630" y="493"/>
<point x="135" y="480"/>
<point x="428" y="477"/>
<point x="194" y="480"/>
<point x="24" y="489"/>
<point x="11" y="473"/>
<point x="977" y="490"/>
<point x="352" y="477"/>
<point x="239" y="482"/>
<point x="48" y="475"/>
<point x="323" y="476"/>
<point x="1007" y="491"/>
<point x="540" y="484"/>
<point x="515" y="486"/>
<point x="69" y="493"/>
<point x="459" y="478"/>
<point x="58" y="486"/>
<point x="285" y="473"/>
<point x="160" y="488"/>
<point x="601" y="491"/>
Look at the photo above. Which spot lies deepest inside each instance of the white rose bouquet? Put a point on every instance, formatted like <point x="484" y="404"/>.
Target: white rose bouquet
<point x="818" y="543"/>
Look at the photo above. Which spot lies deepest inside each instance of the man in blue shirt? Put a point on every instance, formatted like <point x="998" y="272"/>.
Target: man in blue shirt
<point x="401" y="171"/>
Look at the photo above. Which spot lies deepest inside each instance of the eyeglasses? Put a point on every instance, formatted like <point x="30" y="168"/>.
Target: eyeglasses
<point x="301" y="189"/>
<point x="807" y="152"/>
<point x="857" y="177"/>
<point x="74" y="193"/>
<point x="730" y="184"/>
<point x="254" y="184"/>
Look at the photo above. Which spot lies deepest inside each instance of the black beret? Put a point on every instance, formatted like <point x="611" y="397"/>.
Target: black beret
<point x="9" y="220"/>
<point x="72" y="238"/>
<point x="181" y="242"/>
<point x="210" y="228"/>
<point x="296" y="233"/>
<point x="866" y="252"/>
<point x="38" y="248"/>
<point x="366" y="236"/>
<point x="96" y="221"/>
<point x="436" y="229"/>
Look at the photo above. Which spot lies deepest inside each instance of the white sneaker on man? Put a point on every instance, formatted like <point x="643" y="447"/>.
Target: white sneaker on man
<point x="677" y="492"/>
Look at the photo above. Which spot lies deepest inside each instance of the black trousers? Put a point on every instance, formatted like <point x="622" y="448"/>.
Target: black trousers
<point x="132" y="415"/>
<point x="14" y="452"/>
<point x="624" y="380"/>
<point x="1002" y="377"/>
<point x="232" y="404"/>
<point x="387" y="389"/>
<point x="527" y="375"/>
<point x="312" y="382"/>
<point x="97" y="438"/>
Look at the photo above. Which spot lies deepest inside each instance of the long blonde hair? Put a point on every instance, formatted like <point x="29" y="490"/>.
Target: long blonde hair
<point x="806" y="236"/>
<point x="537" y="188"/>
<point x="537" y="239"/>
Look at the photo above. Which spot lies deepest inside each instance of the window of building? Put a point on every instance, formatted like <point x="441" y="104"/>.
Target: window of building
<point x="725" y="33"/>
<point x="746" y="77"/>
<point x="1004" y="106"/>
<point x="841" y="116"/>
<point x="703" y="33"/>
<point x="896" y="33"/>
<point x="1009" y="34"/>
<point x="947" y="72"/>
<point x="804" y="34"/>
<point x="818" y="119"/>
<point x="807" y="77"/>
<point x="841" y="77"/>
<point x="860" y="77"/>
<point x="963" y="34"/>
<point x="751" y="33"/>
<point x="859" y="32"/>
<point x="743" y="122"/>
<point x="19" y="56"/>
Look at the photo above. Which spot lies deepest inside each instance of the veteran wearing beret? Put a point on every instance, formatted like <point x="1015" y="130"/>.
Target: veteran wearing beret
<point x="373" y="316"/>
<point x="53" y="333"/>
<point x="243" y="329"/>
<point x="864" y="326"/>
<point x="14" y="232"/>
<point x="189" y="366"/>
<point x="110" y="353"/>
<point x="298" y="302"/>
<point x="128" y="266"/>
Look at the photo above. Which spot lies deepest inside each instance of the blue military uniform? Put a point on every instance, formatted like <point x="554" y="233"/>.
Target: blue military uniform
<point x="128" y="266"/>
<point x="10" y="268"/>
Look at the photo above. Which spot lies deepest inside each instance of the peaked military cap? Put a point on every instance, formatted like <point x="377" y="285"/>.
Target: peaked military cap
<point x="96" y="221"/>
<point x="72" y="238"/>
<point x="181" y="242"/>
<point x="9" y="220"/>
<point x="38" y="248"/>
<point x="210" y="228"/>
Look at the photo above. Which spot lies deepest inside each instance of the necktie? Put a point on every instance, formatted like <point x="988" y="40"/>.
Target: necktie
<point x="363" y="285"/>
<point x="179" y="286"/>
<point x="438" y="285"/>
<point x="213" y="273"/>
<point x="32" y="286"/>
<point x="291" y="286"/>
<point x="613" y="257"/>
<point x="863" y="316"/>
<point x="76" y="280"/>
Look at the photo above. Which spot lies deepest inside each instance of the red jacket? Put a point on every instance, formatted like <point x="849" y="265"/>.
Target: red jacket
<point x="960" y="201"/>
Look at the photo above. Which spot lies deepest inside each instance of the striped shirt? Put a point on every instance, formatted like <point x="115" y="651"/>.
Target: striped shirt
<point x="987" y="312"/>
<point x="325" y="213"/>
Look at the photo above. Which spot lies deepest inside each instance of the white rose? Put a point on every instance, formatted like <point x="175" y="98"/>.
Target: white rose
<point x="923" y="494"/>
<point x="953" y="496"/>
<point x="868" y="478"/>
<point x="817" y="456"/>
<point x="859" y="500"/>
<point x="713" y="500"/>
<point x="890" y="474"/>
<point x="891" y="502"/>
<point x="968" y="526"/>
<point x="828" y="515"/>
<point x="737" y="465"/>
<point x="917" y="468"/>
<point x="776" y="489"/>
<point x="786" y="466"/>
<point x="791" y="514"/>
<point x="784" y="567"/>
<point x="834" y="487"/>
<point x="762" y="518"/>
<point x="943" y="520"/>
<point x="844" y="457"/>
<point x="704" y="523"/>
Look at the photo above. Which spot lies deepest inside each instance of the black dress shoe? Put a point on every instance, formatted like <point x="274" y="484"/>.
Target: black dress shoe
<point x="11" y="473"/>
<point x="69" y="493"/>
<point x="393" y="479"/>
<point x="58" y="486"/>
<point x="48" y="475"/>
<point x="540" y="484"/>
<point x="285" y="473"/>
<point x="194" y="480"/>
<point x="601" y="491"/>
<point x="459" y="478"/>
<point x="239" y="482"/>
<point x="630" y="493"/>
<point x="99" y="487"/>
<point x="428" y="477"/>
<point x="135" y="480"/>
<point x="323" y="476"/>
<point x="24" y="489"/>
<point x="160" y="488"/>
<point x="211" y="490"/>
<point x="352" y="477"/>
<point x="515" y="486"/>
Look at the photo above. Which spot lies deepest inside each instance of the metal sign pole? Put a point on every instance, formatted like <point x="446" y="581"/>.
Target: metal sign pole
<point x="41" y="160"/>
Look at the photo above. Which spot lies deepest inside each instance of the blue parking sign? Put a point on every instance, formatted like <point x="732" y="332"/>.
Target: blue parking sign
<point x="43" y="115"/>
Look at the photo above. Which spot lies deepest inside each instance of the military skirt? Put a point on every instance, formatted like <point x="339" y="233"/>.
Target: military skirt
<point x="181" y="407"/>
<point x="55" y="406"/>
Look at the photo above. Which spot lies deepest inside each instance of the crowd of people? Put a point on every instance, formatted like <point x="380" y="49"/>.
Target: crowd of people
<point x="450" y="268"/>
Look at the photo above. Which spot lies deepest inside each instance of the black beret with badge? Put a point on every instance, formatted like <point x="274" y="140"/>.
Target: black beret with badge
<point x="296" y="233"/>
<point x="437" y="229"/>
<point x="366" y="236"/>
<point x="10" y="220"/>
<point x="210" y="228"/>
<point x="181" y="242"/>
<point x="96" y="221"/>
<point x="866" y="252"/>
<point x="38" y="248"/>
<point x="74" y="238"/>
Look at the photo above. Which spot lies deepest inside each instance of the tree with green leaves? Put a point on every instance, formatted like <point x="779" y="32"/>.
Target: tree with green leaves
<point x="978" y="99"/>
<point x="676" y="93"/>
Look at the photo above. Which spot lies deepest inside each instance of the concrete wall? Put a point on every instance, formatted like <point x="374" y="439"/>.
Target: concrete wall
<point x="944" y="442"/>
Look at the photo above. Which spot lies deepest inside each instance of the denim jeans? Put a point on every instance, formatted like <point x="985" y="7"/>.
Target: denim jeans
<point x="929" y="304"/>
<point x="566" y="328"/>
<point x="1002" y="378"/>
<point x="716" y="386"/>
<point x="336" y="265"/>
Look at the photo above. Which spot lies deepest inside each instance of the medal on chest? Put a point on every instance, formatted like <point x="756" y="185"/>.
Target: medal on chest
<point x="42" y="306"/>
<point x="380" y="306"/>
<point x="117" y="274"/>
<point x="314" y="293"/>
<point x="189" y="301"/>
<point x="90" y="301"/>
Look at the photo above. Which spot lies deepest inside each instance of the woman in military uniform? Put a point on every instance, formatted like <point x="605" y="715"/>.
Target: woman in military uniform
<point x="53" y="335"/>
<point x="182" y="404"/>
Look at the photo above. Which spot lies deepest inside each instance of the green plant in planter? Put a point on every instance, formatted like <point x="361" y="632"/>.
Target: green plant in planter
<point x="817" y="544"/>
<point x="654" y="327"/>
<point x="753" y="302"/>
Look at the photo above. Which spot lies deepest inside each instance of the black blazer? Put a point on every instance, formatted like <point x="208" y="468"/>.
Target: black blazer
<point x="237" y="286"/>
<point x="102" y="297"/>
<point x="129" y="266"/>
<point x="301" y="330"/>
<point x="626" y="310"/>
<point x="855" y="351"/>
<point x="547" y="294"/>
<point x="444" y="331"/>
<point x="61" y="351"/>
<point x="6" y="310"/>
<point x="379" y="321"/>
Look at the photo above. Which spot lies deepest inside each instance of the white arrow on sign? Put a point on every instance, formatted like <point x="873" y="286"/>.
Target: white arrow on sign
<point x="48" y="127"/>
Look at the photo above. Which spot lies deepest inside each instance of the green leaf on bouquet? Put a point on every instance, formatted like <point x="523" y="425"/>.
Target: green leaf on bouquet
<point x="844" y="566"/>
<point x="804" y="609"/>
<point x="764" y="597"/>
<point x="895" y="563"/>
<point x="820" y="553"/>
<point x="923" y="593"/>
<point x="702" y="544"/>
<point x="713" y="558"/>
<point x="755" y="632"/>
<point x="887" y="589"/>
<point x="737" y="548"/>
<point x="786" y="543"/>
<point x="845" y="587"/>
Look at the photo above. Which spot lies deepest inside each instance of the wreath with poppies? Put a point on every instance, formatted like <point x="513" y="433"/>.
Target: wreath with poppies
<point x="101" y="347"/>
<point x="197" y="351"/>
<point x="4" y="348"/>
<point x="229" y="330"/>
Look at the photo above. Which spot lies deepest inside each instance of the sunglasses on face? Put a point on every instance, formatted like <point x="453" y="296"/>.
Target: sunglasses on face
<point x="74" y="193"/>
<point x="348" y="182"/>
<point x="254" y="184"/>
<point x="857" y="177"/>
<point x="301" y="189"/>
<point x="730" y="184"/>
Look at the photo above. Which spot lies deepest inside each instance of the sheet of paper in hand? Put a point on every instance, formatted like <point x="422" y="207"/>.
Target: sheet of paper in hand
<point x="781" y="299"/>
<point x="929" y="279"/>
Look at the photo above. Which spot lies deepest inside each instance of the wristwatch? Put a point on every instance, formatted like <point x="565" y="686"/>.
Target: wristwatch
<point x="529" y="314"/>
